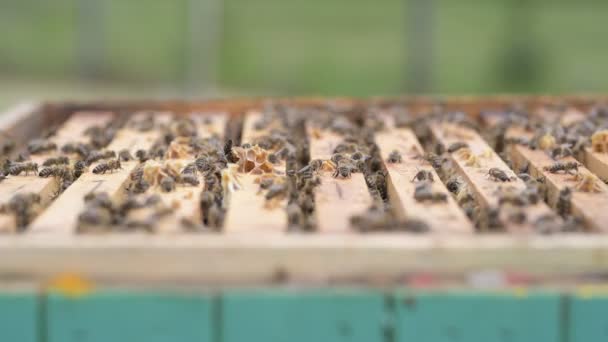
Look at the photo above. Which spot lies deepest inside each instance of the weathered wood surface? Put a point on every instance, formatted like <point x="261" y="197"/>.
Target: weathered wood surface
<point x="441" y="217"/>
<point x="248" y="211"/>
<point x="474" y="170"/>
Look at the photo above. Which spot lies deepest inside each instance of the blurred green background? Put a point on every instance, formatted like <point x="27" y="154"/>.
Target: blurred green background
<point x="136" y="48"/>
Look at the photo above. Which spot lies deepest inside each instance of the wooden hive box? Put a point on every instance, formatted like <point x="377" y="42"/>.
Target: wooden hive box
<point x="255" y="246"/>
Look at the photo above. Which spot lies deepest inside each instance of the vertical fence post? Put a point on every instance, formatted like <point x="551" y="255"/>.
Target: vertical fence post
<point x="90" y="44"/>
<point x="203" y="21"/>
<point x="419" y="42"/>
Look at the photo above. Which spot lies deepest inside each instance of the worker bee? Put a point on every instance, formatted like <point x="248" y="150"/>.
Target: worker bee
<point x="190" y="179"/>
<point x="561" y="151"/>
<point x="125" y="155"/>
<point x="517" y="141"/>
<point x="27" y="167"/>
<point x="563" y="205"/>
<point x="424" y="192"/>
<point x="457" y="146"/>
<point x="142" y="155"/>
<point x="499" y="175"/>
<point x="343" y="169"/>
<point x="453" y="185"/>
<point x="95" y="156"/>
<point x="189" y="169"/>
<point x="22" y="205"/>
<point x="40" y="146"/>
<point x="394" y="157"/>
<point x="62" y="160"/>
<point x="415" y="225"/>
<point x="59" y="171"/>
<point x="167" y="184"/>
<point x="337" y="157"/>
<point x="79" y="168"/>
<point x="295" y="217"/>
<point x="110" y="166"/>
<point x="559" y="166"/>
<point x="6" y="147"/>
<point x="493" y="218"/>
<point x="276" y="190"/>
<point x="360" y="156"/>
<point x="423" y="175"/>
<point x="230" y="155"/>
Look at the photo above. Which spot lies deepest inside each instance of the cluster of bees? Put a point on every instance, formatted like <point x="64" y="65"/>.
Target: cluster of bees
<point x="280" y="159"/>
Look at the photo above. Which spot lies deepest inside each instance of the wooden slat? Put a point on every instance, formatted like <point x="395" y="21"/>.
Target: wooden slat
<point x="590" y="206"/>
<point x="58" y="219"/>
<point x="71" y="131"/>
<point x="485" y="190"/>
<point x="441" y="217"/>
<point x="247" y="211"/>
<point x="185" y="199"/>
<point x="336" y="199"/>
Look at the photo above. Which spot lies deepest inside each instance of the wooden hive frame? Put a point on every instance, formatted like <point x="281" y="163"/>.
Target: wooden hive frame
<point x="256" y="257"/>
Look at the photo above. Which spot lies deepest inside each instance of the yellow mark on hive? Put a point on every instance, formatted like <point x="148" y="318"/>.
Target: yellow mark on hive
<point x="72" y="285"/>
<point x="590" y="291"/>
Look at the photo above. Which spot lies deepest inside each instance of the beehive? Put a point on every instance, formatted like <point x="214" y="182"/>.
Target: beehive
<point x="255" y="243"/>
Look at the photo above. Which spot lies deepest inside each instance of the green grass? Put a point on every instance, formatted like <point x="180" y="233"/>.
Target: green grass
<point x="337" y="47"/>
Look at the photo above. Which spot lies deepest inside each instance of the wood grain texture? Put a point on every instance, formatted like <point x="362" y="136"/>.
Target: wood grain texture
<point x="590" y="206"/>
<point x="62" y="215"/>
<point x="247" y="210"/>
<point x="441" y="217"/>
<point x="71" y="131"/>
<point x="336" y="199"/>
<point x="484" y="188"/>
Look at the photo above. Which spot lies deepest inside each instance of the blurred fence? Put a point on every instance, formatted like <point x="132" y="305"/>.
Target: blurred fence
<point x="334" y="47"/>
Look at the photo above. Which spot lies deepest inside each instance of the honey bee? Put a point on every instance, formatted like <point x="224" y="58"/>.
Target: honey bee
<point x="95" y="156"/>
<point x="125" y="155"/>
<point x="499" y="175"/>
<point x="59" y="171"/>
<point x="6" y="147"/>
<point x="190" y="179"/>
<point x="561" y="151"/>
<point x="295" y="216"/>
<point x="337" y="157"/>
<point x="167" y="184"/>
<point x="424" y="192"/>
<point x="559" y="166"/>
<point x="563" y="205"/>
<point x="37" y="146"/>
<point x="457" y="146"/>
<point x="343" y="169"/>
<point x="453" y="185"/>
<point x="230" y="155"/>
<point x="415" y="225"/>
<point x="62" y="160"/>
<point x="273" y="158"/>
<point x="79" y="168"/>
<point x="360" y="156"/>
<point x="394" y="157"/>
<point x="23" y="206"/>
<point x="16" y="168"/>
<point x="189" y="169"/>
<point x="423" y="175"/>
<point x="142" y="155"/>
<point x="276" y="190"/>
<point x="108" y="166"/>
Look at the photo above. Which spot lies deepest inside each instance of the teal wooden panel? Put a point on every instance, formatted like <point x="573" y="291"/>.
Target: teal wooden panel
<point x="302" y="316"/>
<point x="477" y="317"/>
<point x="19" y="317"/>
<point x="588" y="318"/>
<point x="128" y="317"/>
